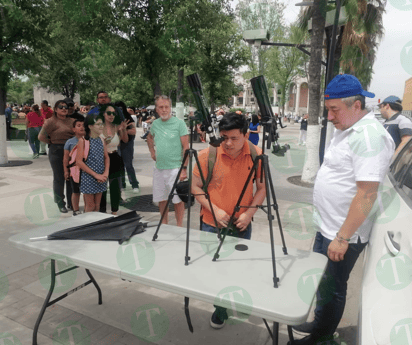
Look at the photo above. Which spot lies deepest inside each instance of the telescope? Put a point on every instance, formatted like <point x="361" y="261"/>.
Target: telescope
<point x="268" y="119"/>
<point x="202" y="113"/>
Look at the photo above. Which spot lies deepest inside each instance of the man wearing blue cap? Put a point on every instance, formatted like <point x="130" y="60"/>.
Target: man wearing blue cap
<point x="398" y="126"/>
<point x="345" y="190"/>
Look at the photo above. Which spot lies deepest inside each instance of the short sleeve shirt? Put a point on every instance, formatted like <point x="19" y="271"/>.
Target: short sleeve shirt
<point x="228" y="179"/>
<point x="71" y="143"/>
<point x="166" y="134"/>
<point x="34" y="119"/>
<point x="59" y="130"/>
<point x="398" y="126"/>
<point x="48" y="113"/>
<point x="361" y="153"/>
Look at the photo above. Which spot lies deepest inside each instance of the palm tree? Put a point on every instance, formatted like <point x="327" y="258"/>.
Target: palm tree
<point x="355" y="54"/>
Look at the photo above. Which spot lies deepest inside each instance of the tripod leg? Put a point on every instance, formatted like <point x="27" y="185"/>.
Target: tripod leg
<point x="237" y="207"/>
<point x="272" y="189"/>
<point x="269" y="211"/>
<point x="169" y="199"/>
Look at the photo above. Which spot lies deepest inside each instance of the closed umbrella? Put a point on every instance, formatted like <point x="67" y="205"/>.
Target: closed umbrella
<point x="120" y="229"/>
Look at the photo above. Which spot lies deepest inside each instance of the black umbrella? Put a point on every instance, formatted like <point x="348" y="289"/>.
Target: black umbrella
<point x="120" y="228"/>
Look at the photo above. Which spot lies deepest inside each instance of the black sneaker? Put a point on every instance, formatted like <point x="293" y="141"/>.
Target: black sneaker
<point x="63" y="209"/>
<point x="305" y="328"/>
<point x="215" y="322"/>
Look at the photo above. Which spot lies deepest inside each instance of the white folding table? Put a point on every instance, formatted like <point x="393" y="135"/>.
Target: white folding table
<point x="238" y="280"/>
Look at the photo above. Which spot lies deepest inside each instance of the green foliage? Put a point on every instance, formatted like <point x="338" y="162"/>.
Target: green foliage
<point x="19" y="91"/>
<point x="285" y="63"/>
<point x="233" y="110"/>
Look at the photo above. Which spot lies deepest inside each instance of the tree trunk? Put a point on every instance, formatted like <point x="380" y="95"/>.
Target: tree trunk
<point x="179" y="91"/>
<point x="311" y="166"/>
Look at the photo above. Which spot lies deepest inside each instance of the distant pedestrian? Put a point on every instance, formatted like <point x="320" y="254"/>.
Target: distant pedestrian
<point x="34" y="123"/>
<point x="170" y="136"/>
<point x="56" y="131"/>
<point x="127" y="150"/>
<point x="79" y="132"/>
<point x="114" y="130"/>
<point x="8" y="120"/>
<point x="303" y="129"/>
<point x="254" y="130"/>
<point x="398" y="126"/>
<point x="95" y="170"/>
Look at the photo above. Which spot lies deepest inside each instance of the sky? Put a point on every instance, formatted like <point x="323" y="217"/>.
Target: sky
<point x="392" y="66"/>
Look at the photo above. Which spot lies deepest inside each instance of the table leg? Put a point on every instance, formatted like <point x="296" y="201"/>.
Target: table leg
<point x="275" y="333"/>
<point x="99" y="291"/>
<point x="46" y="302"/>
<point x="290" y="332"/>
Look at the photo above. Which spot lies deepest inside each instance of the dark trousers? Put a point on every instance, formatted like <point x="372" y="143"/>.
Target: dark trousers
<point x="127" y="150"/>
<point x="8" y="129"/>
<point x="331" y="295"/>
<point x="56" y="153"/>
<point x="115" y="183"/>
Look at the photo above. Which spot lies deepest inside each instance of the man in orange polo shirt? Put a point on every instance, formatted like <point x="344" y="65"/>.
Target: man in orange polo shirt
<point x="230" y="172"/>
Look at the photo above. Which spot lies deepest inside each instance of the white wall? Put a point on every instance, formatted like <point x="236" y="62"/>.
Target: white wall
<point x="41" y="94"/>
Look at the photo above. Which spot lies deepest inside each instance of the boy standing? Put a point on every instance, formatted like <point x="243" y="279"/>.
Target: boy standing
<point x="79" y="132"/>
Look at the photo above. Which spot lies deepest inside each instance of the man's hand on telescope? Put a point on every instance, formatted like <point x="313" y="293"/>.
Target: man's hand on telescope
<point x="243" y="221"/>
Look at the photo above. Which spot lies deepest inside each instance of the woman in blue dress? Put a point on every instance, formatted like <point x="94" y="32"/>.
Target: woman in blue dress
<point x="254" y="130"/>
<point x="95" y="169"/>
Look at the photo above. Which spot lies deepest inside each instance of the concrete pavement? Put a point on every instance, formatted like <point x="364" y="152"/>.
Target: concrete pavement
<point x="25" y="203"/>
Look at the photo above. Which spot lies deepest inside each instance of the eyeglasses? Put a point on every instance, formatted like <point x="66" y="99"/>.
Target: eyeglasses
<point x="62" y="107"/>
<point x="111" y="113"/>
<point x="101" y="124"/>
<point x="102" y="97"/>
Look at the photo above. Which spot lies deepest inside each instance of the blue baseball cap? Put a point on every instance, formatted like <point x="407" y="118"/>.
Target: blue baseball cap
<point x="392" y="99"/>
<point x="345" y="85"/>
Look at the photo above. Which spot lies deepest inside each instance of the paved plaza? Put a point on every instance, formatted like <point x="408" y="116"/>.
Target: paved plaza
<point x="26" y="202"/>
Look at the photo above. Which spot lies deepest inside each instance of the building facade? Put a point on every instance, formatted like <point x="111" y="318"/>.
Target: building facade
<point x="407" y="96"/>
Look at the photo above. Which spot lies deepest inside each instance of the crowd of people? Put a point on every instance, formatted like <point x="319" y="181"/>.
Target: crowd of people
<point x="344" y="192"/>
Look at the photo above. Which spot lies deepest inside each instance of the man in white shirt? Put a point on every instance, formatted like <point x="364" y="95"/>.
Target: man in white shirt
<point x="345" y="190"/>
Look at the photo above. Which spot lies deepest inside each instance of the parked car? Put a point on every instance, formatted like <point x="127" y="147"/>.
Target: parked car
<point x="385" y="314"/>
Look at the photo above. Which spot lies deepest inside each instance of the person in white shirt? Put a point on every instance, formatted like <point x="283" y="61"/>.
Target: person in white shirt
<point x="345" y="191"/>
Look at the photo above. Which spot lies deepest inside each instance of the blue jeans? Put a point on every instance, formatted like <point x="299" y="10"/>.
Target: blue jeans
<point x="246" y="235"/>
<point x="33" y="133"/>
<point x="331" y="295"/>
<point x="127" y="151"/>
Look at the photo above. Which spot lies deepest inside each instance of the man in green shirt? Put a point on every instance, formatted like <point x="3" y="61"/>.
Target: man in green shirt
<point x="169" y="135"/>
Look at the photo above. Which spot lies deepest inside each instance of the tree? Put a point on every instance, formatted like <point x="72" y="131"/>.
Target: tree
<point x="312" y="143"/>
<point x="19" y="91"/>
<point x="285" y="63"/>
<point x="20" y="26"/>
<point x="251" y="15"/>
<point x="221" y="54"/>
